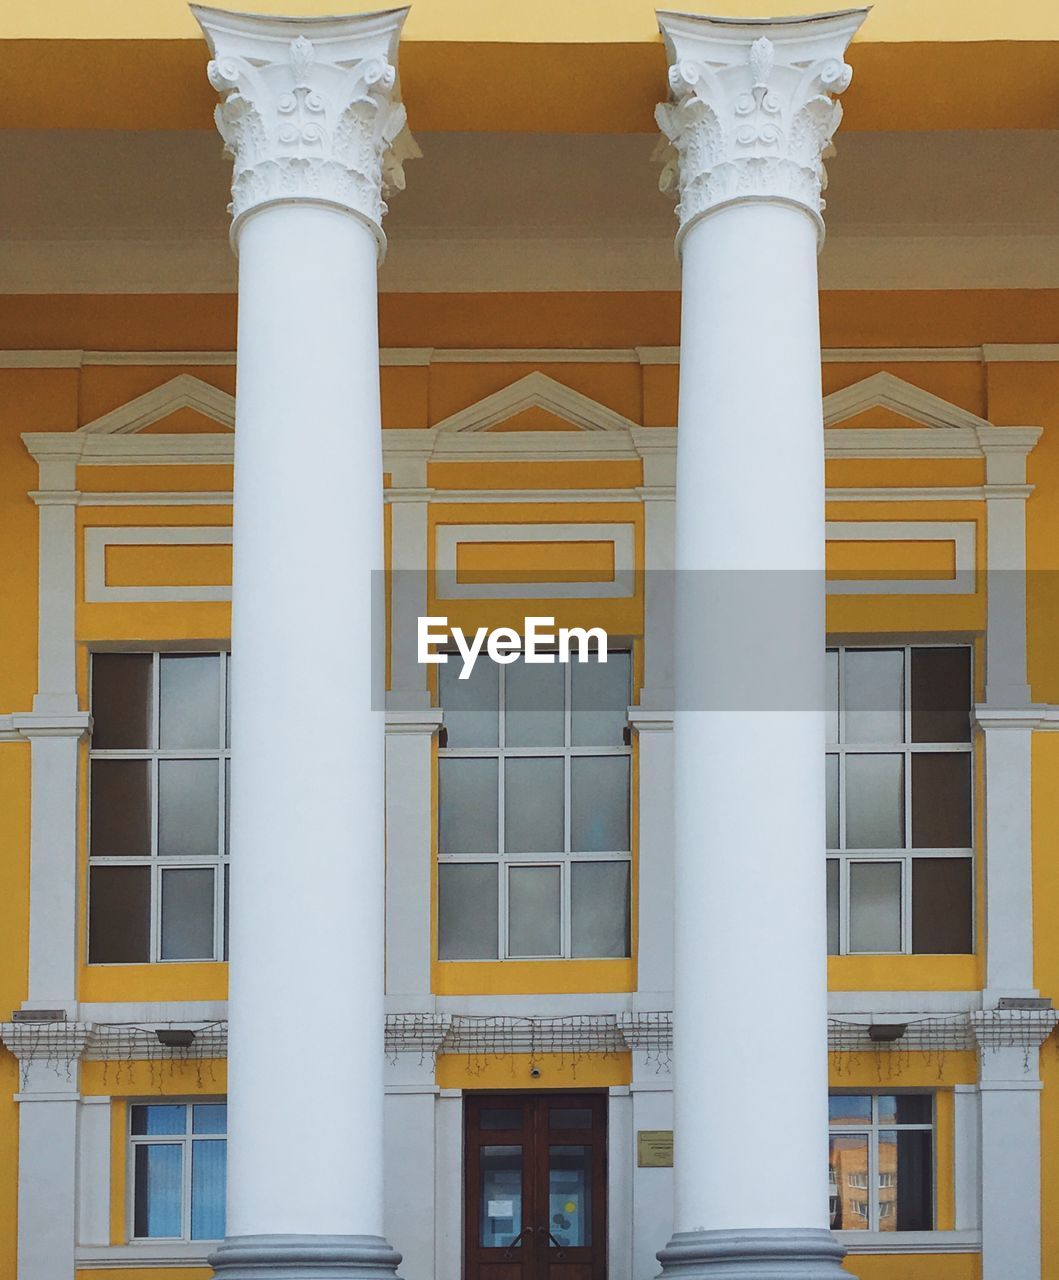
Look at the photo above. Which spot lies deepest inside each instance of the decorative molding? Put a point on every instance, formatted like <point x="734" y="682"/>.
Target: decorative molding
<point x="310" y="110"/>
<point x="98" y="539"/>
<point x="536" y="391"/>
<point x="890" y="1243"/>
<point x="449" y="537"/>
<point x="1040" y="716"/>
<point x="24" y="726"/>
<point x="961" y="534"/>
<point x="143" y="1254"/>
<point x="887" y="391"/>
<point x="751" y="110"/>
<point x="182" y="392"/>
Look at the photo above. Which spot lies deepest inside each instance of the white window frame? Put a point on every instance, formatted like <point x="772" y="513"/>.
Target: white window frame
<point x="564" y="860"/>
<point x="153" y="754"/>
<point x="184" y="1140"/>
<point x="872" y="1130"/>
<point x="906" y="749"/>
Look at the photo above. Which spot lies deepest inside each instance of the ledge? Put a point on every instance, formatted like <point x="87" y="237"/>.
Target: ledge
<point x="910" y="1242"/>
<point x="149" y="1253"/>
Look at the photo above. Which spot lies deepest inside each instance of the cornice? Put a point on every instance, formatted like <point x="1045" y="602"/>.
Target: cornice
<point x="752" y="109"/>
<point x="1039" y="716"/>
<point x="310" y="110"/>
<point x="27" y="725"/>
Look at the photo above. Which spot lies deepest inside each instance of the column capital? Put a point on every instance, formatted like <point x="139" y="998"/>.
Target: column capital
<point x="751" y="110"/>
<point x="310" y="110"/>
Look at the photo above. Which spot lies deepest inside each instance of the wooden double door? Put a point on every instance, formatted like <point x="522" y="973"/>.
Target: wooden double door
<point x="535" y="1197"/>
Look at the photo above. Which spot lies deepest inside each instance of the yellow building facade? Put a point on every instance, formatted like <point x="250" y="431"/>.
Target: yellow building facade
<point x="527" y="928"/>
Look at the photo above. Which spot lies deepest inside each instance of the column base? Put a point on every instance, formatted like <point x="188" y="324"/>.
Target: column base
<point x="748" y="1254"/>
<point x="298" y="1257"/>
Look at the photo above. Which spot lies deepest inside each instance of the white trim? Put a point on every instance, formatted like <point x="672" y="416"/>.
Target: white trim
<point x="536" y="391"/>
<point x="910" y="1242"/>
<point x="449" y="537"/>
<point x="1041" y="716"/>
<point x="157" y="498"/>
<point x="182" y="392"/>
<point x="99" y="538"/>
<point x="960" y="533"/>
<point x="142" y="1254"/>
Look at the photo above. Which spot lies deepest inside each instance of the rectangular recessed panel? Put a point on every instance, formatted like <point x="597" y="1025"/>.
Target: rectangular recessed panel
<point x="878" y="561"/>
<point x="168" y="566"/>
<point x="522" y="562"/>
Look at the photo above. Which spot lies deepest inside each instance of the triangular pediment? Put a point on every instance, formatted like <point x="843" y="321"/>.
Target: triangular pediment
<point x="183" y="404"/>
<point x="884" y="401"/>
<point x="536" y="403"/>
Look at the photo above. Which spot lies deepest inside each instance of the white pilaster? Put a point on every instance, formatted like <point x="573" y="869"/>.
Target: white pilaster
<point x="311" y="114"/>
<point x="750" y="117"/>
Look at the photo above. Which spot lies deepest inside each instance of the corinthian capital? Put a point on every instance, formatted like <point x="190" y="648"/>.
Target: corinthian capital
<point x="310" y="109"/>
<point x="752" y="109"/>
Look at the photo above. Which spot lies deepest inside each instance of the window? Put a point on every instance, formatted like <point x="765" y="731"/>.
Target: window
<point x="882" y="1144"/>
<point x="533" y="810"/>
<point x="158" y="807"/>
<point x="899" y="784"/>
<point x="178" y="1155"/>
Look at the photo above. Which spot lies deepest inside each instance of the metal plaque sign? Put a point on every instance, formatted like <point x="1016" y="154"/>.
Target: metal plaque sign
<point x="654" y="1148"/>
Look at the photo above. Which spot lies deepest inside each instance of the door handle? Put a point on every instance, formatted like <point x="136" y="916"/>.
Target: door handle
<point x="526" y="1230"/>
<point x="544" y="1230"/>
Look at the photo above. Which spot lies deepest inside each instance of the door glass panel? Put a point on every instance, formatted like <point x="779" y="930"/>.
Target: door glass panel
<point x="500" y="1118"/>
<point x="875" y="802"/>
<point x="848" y="1190"/>
<point x="533" y="911"/>
<point x="874" y="695"/>
<point x="500" y="1195"/>
<point x="534" y="704"/>
<point x="570" y="1195"/>
<point x="570" y="1118"/>
<point x="158" y="1175"/>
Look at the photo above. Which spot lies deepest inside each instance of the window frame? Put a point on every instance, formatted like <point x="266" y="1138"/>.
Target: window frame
<point x="564" y="859"/>
<point x="907" y="749"/>
<point x="872" y="1129"/>
<point x="154" y="754"/>
<point x="184" y="1140"/>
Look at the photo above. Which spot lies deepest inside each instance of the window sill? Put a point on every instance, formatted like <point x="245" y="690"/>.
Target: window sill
<point x="891" y="1242"/>
<point x="144" y="1253"/>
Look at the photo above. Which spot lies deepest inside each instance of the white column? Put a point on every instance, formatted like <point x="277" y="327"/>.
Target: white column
<point x="311" y="116"/>
<point x="750" y="116"/>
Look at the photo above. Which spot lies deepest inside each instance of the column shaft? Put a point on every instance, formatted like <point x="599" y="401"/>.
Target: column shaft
<point x="306" y="1002"/>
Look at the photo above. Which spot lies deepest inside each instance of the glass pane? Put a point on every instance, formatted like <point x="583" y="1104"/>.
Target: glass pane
<point x="208" y="1176"/>
<point x="187" y="913"/>
<point x="906" y="1199"/>
<point x="906" y="1108"/>
<point x="501" y="1195"/>
<point x="533" y="805"/>
<point x="848" y="1191"/>
<point x="534" y="704"/>
<point x="831" y="787"/>
<point x="188" y="800"/>
<point x="942" y="906"/>
<point x="189" y="701"/>
<point x="468" y="911"/>
<point x="225" y="924"/>
<point x="875" y="802"/>
<point x="875" y="906"/>
<point x="209" y="1117"/>
<point x="599" y="804"/>
<point x="941" y="800"/>
<point x="874" y="695"/>
<point x="941" y="695"/>
<point x="121" y="700"/>
<point x="467" y="806"/>
<point x="500" y="1118"/>
<point x="599" y="909"/>
<point x="157" y="1174"/>
<point x="849" y="1108"/>
<point x="832" y="907"/>
<point x="570" y="1195"/>
<point x="119" y="915"/>
<point x="599" y="700"/>
<point x="158" y="1118"/>
<point x="533" y="911"/>
<point x="471" y="706"/>
<point x="227" y="806"/>
<point x="121" y="808"/>
<point x="831" y="694"/>
<point x="570" y="1118"/>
